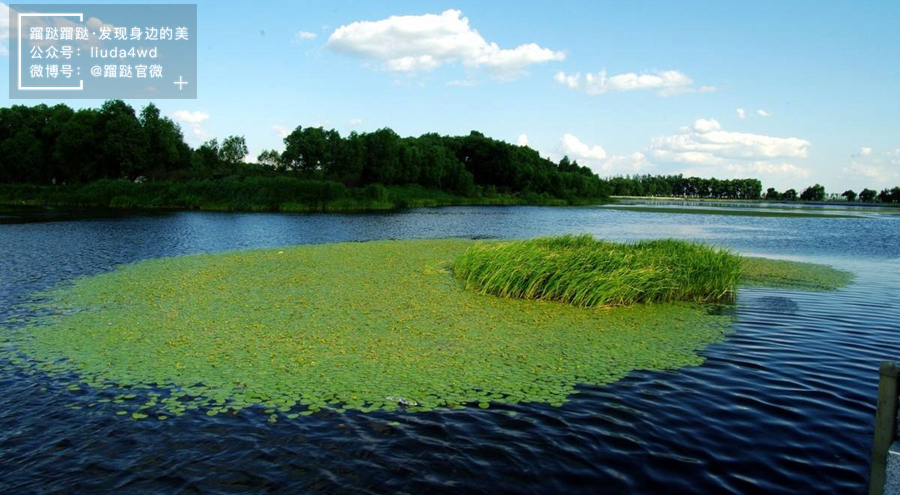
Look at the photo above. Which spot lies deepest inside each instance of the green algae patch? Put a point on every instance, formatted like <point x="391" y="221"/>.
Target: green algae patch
<point x="361" y="326"/>
<point x="588" y="272"/>
<point x="765" y="272"/>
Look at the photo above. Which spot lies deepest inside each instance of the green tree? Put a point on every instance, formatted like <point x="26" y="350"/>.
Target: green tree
<point x="790" y="195"/>
<point x="849" y="195"/>
<point x="305" y="149"/>
<point x="867" y="195"/>
<point x="166" y="150"/>
<point x="813" y="193"/>
<point x="233" y="150"/>
<point x="270" y="158"/>
<point x="121" y="139"/>
<point x="206" y="158"/>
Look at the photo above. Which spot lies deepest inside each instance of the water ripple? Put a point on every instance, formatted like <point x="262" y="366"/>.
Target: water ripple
<point x="785" y="404"/>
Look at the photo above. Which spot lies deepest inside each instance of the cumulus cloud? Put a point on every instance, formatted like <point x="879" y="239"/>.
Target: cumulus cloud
<point x="190" y="117"/>
<point x="193" y="119"/>
<point x="872" y="169"/>
<point x="707" y="143"/>
<point x="634" y="163"/>
<point x="705" y="149"/>
<point x="417" y="43"/>
<point x="301" y="36"/>
<point x="576" y="149"/>
<point x="522" y="140"/>
<point x="597" y="159"/>
<point x="355" y="122"/>
<point x="280" y="131"/>
<point x="665" y="83"/>
<point x="759" y="168"/>
<point x="763" y="113"/>
<point x="741" y="113"/>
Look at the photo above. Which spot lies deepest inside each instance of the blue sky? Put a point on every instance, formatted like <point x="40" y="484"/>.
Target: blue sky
<point x="818" y="82"/>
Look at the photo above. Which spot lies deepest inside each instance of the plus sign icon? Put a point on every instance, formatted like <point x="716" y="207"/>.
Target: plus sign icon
<point x="103" y="51"/>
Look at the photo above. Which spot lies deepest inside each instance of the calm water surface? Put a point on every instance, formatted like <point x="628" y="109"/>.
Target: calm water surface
<point x="785" y="404"/>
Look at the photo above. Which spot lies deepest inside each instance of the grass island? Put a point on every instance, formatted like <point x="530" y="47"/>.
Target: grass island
<point x="388" y="325"/>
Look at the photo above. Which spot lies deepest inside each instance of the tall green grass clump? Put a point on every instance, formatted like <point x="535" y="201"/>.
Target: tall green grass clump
<point x="587" y="272"/>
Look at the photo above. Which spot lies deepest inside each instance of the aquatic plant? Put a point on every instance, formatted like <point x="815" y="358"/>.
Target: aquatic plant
<point x="363" y="326"/>
<point x="587" y="272"/>
<point x="766" y="272"/>
<point x="342" y="326"/>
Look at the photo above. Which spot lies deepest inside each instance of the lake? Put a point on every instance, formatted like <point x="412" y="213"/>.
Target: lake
<point x="785" y="403"/>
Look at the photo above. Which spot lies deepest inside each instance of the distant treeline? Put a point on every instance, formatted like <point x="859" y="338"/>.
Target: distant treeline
<point x="112" y="156"/>
<point x="58" y="145"/>
<point x="692" y="187"/>
<point x="817" y="193"/>
<point x="696" y="187"/>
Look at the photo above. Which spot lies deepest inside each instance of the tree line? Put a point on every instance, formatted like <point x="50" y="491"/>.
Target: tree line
<point x="688" y="187"/>
<point x="56" y="145"/>
<point x="701" y="188"/>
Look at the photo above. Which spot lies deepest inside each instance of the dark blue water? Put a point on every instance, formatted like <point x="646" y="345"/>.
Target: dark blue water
<point x="786" y="404"/>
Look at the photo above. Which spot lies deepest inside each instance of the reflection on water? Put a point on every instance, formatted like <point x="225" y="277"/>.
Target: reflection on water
<point x="785" y="404"/>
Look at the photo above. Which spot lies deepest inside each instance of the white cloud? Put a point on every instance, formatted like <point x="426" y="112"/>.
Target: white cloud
<point x="463" y="83"/>
<point x="874" y="170"/>
<point x="522" y="140"/>
<point x="190" y="117"/>
<point x="280" y="131"/>
<point x="416" y="43"/>
<point x="301" y="36"/>
<point x="665" y="83"/>
<point x="596" y="158"/>
<point x="623" y="165"/>
<point x="573" y="81"/>
<point x="355" y="122"/>
<point x="706" y="143"/>
<point x="576" y="149"/>
<point x="741" y="113"/>
<point x="707" y="125"/>
<point x="760" y="168"/>
<point x="763" y="113"/>
<point x="705" y="149"/>
<point x="194" y="119"/>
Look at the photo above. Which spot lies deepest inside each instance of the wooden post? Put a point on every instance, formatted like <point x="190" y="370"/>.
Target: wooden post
<point x="885" y="425"/>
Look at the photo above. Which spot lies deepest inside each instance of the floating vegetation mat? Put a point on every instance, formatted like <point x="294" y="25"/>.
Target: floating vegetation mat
<point x="363" y="326"/>
<point x="765" y="272"/>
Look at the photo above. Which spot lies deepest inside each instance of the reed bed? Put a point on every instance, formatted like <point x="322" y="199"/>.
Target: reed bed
<point x="587" y="272"/>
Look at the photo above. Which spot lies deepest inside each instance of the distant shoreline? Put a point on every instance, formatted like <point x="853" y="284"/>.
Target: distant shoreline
<point x="714" y="201"/>
<point x="261" y="195"/>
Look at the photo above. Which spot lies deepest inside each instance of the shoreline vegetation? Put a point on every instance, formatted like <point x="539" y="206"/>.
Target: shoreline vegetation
<point x="335" y="327"/>
<point x="262" y="194"/>
<point x="114" y="157"/>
